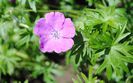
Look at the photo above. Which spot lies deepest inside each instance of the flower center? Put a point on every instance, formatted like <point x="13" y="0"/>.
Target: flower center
<point x="55" y="34"/>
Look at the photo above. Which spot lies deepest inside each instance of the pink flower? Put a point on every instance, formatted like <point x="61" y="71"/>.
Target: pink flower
<point x="55" y="32"/>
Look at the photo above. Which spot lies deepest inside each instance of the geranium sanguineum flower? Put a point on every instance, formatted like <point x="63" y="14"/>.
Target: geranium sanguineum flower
<point x="55" y="32"/>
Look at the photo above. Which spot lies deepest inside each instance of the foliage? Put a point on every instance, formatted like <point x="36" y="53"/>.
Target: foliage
<point x="103" y="41"/>
<point x="82" y="78"/>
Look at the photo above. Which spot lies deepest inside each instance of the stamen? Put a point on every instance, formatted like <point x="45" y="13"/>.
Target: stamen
<point x="55" y="34"/>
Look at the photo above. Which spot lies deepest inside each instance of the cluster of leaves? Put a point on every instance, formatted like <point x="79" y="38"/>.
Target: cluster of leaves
<point x="104" y="38"/>
<point x="90" y="79"/>
<point x="19" y="47"/>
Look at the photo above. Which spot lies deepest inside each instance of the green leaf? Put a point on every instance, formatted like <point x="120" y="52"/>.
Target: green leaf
<point x="26" y="81"/>
<point x="67" y="57"/>
<point x="94" y="58"/>
<point x="118" y="72"/>
<point x="23" y="2"/>
<point x="129" y="79"/>
<point x="84" y="77"/>
<point x="22" y="55"/>
<point x="77" y="59"/>
<point x="25" y="40"/>
<point x="124" y="67"/>
<point x="121" y="37"/>
<point x="79" y="79"/>
<point x="102" y="66"/>
<point x="10" y="68"/>
<point x="32" y="5"/>
<point x="75" y="81"/>
<point x="90" y="74"/>
<point x="109" y="71"/>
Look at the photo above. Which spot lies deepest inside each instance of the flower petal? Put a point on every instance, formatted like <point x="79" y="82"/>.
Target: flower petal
<point x="63" y="45"/>
<point x="42" y="28"/>
<point x="46" y="45"/>
<point x="55" y="19"/>
<point x="58" y="46"/>
<point x="38" y="26"/>
<point x="68" y="30"/>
